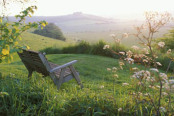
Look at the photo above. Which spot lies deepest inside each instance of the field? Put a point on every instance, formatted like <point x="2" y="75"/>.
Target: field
<point x="109" y="88"/>
<point x="39" y="96"/>
<point x="102" y="94"/>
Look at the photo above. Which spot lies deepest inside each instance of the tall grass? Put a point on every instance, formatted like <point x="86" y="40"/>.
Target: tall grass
<point x="85" y="48"/>
<point x="39" y="96"/>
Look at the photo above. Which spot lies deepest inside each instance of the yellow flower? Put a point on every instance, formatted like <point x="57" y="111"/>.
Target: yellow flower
<point x="28" y="47"/>
<point x="5" y="52"/>
<point x="15" y="43"/>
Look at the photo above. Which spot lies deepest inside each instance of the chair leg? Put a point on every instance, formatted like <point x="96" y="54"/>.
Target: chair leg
<point x="76" y="76"/>
<point x="61" y="78"/>
<point x="29" y="74"/>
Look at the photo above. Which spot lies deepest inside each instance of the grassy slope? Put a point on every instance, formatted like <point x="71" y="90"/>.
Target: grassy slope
<point x="37" y="42"/>
<point x="42" y="91"/>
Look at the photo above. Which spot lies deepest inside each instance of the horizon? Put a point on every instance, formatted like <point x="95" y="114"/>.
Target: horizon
<point x="105" y="8"/>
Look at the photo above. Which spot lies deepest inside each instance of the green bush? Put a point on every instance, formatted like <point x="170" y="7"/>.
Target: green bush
<point x="85" y="48"/>
<point x="97" y="49"/>
<point x="82" y="48"/>
<point x="52" y="31"/>
<point x="164" y="60"/>
<point x="51" y="50"/>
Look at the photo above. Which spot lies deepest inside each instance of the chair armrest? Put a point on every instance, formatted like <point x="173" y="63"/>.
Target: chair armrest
<point x="63" y="66"/>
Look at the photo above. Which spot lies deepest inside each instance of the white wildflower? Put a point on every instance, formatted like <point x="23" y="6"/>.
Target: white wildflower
<point x="108" y="69"/>
<point x="158" y="63"/>
<point x="113" y="35"/>
<point x="169" y="51"/>
<point x="121" y="63"/>
<point x="122" y="53"/>
<point x="154" y="69"/>
<point x="157" y="86"/>
<point x="125" y="35"/>
<point x="118" y="41"/>
<point x="114" y="69"/>
<point x="115" y="75"/>
<point x="161" y="44"/>
<point x="145" y="60"/>
<point x="164" y="93"/>
<point x="163" y="76"/>
<point x="130" y="60"/>
<point x="146" y="94"/>
<point x="171" y="82"/>
<point x="145" y="51"/>
<point x="162" y="109"/>
<point x="135" y="47"/>
<point x="125" y="84"/>
<point x="167" y="87"/>
<point x="106" y="47"/>
<point x="129" y="54"/>
<point x="141" y="74"/>
<point x="135" y="68"/>
<point x="102" y="86"/>
<point x="120" y="109"/>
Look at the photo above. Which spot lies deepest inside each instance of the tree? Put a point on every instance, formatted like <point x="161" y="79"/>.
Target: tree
<point x="10" y="32"/>
<point x="145" y="32"/>
<point x="51" y="30"/>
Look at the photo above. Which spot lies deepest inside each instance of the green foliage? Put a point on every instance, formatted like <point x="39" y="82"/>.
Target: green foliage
<point x="85" y="48"/>
<point x="97" y="49"/>
<point x="10" y="33"/>
<point x="168" y="39"/>
<point x="52" y="31"/>
<point x="82" y="48"/>
<point x="164" y="60"/>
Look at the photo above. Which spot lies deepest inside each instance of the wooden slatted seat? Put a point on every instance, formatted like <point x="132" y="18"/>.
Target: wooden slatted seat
<point x="36" y="61"/>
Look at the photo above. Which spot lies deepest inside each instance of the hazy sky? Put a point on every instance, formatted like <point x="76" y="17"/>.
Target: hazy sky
<point x="100" y="7"/>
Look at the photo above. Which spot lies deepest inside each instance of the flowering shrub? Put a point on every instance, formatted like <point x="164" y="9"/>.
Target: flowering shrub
<point x="152" y="88"/>
<point x="11" y="33"/>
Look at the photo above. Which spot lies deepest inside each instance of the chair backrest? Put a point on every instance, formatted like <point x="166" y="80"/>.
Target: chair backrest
<point x="33" y="61"/>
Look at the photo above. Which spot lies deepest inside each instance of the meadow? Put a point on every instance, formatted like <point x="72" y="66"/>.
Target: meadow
<point x="113" y="84"/>
<point x="103" y="94"/>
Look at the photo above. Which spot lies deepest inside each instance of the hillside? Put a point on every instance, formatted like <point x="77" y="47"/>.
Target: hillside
<point x="37" y="42"/>
<point x="80" y="26"/>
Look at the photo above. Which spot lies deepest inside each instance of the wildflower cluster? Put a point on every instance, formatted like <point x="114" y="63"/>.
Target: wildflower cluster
<point x="151" y="86"/>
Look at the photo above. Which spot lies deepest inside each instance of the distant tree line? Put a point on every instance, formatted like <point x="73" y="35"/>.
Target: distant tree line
<point x="52" y="31"/>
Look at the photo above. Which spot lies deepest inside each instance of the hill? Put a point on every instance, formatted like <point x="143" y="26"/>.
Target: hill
<point x="37" y="42"/>
<point x="80" y="26"/>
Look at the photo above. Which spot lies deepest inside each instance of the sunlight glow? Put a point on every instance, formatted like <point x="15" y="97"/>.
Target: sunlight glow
<point x="100" y="7"/>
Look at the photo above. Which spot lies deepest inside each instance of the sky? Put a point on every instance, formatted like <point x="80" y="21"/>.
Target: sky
<point x="102" y="7"/>
<point x="109" y="8"/>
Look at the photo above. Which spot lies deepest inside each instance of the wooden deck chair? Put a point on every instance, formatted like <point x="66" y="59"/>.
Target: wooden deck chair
<point x="36" y="61"/>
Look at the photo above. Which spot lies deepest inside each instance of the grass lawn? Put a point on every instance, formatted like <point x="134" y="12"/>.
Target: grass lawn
<point x="37" y="42"/>
<point x="102" y="94"/>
